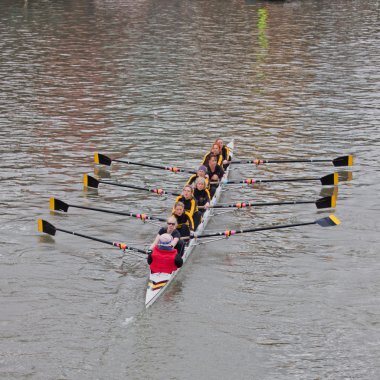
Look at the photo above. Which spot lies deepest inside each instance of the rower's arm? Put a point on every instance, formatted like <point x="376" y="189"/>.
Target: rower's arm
<point x="174" y="242"/>
<point x="155" y="242"/>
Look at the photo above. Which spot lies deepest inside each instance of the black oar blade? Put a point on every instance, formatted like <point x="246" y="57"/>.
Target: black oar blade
<point x="58" y="205"/>
<point x="344" y="161"/>
<point x="46" y="227"/>
<point x="326" y="202"/>
<point x="89" y="181"/>
<point x="329" y="221"/>
<point x="101" y="159"/>
<point x="330" y="179"/>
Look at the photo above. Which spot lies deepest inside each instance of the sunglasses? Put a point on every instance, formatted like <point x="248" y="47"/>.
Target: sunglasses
<point x="170" y="224"/>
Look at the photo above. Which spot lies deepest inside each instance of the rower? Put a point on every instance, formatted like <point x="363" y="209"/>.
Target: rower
<point x="190" y="204"/>
<point x="164" y="258"/>
<point x="215" y="173"/>
<point x="184" y="220"/>
<point x="225" y="151"/>
<point x="171" y="229"/>
<point x="215" y="150"/>
<point x="201" y="194"/>
<point x="201" y="172"/>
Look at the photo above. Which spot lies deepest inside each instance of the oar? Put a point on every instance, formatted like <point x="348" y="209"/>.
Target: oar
<point x="339" y="161"/>
<point x="330" y="179"/>
<point x="326" y="202"/>
<point x="58" y="205"/>
<point x="324" y="222"/>
<point x="48" y="228"/>
<point x="101" y="159"/>
<point x="89" y="181"/>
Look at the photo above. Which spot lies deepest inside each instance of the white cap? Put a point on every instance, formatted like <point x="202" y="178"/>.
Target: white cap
<point x="165" y="239"/>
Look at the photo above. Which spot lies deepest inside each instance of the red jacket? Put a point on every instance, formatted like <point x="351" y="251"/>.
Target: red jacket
<point x="163" y="261"/>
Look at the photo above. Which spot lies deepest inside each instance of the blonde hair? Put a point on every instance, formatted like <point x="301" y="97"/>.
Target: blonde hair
<point x="179" y="204"/>
<point x="189" y="187"/>
<point x="200" y="180"/>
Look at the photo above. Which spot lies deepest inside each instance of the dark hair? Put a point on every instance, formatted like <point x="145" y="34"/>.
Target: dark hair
<point x="212" y="156"/>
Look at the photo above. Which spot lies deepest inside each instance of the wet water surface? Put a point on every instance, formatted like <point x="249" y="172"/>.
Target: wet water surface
<point x="157" y="82"/>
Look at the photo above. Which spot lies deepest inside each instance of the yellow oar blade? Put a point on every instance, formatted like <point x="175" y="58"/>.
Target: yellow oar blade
<point x="101" y="159"/>
<point x="344" y="161"/>
<point x="329" y="221"/>
<point x="46" y="227"/>
<point x="58" y="205"/>
<point x="89" y="181"/>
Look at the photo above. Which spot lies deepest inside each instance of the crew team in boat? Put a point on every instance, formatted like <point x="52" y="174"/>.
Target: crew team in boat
<point x="186" y="216"/>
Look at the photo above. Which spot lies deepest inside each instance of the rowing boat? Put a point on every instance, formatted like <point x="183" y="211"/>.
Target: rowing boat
<point x="159" y="282"/>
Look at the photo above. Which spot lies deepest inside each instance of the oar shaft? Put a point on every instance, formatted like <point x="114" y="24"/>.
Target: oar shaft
<point x="330" y="179"/>
<point x="85" y="236"/>
<point x="255" y="204"/>
<point x="228" y="233"/>
<point x="339" y="161"/>
<point x="259" y="162"/>
<point x="114" y="244"/>
<point x="141" y="216"/>
<point x="169" y="168"/>
<point x="156" y="191"/>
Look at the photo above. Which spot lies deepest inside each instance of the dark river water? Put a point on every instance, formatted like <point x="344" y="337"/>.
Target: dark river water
<point x="158" y="81"/>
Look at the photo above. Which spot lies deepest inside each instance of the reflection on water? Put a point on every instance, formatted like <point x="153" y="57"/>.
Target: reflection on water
<point x="157" y="82"/>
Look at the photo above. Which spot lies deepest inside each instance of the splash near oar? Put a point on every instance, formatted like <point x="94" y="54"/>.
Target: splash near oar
<point x="48" y="228"/>
<point x="329" y="221"/>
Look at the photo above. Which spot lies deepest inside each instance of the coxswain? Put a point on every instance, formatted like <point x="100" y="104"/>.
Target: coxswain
<point x="164" y="258"/>
<point x="215" y="173"/>
<point x="170" y="228"/>
<point x="190" y="204"/>
<point x="201" y="194"/>
<point x="201" y="172"/>
<point x="225" y="151"/>
<point x="184" y="220"/>
<point x="215" y="150"/>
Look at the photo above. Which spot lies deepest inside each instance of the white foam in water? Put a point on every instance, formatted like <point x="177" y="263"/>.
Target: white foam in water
<point x="127" y="321"/>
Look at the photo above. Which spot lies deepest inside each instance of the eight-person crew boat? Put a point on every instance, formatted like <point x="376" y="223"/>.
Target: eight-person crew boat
<point x="173" y="243"/>
<point x="159" y="282"/>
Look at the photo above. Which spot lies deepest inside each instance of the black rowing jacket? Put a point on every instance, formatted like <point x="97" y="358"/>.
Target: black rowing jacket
<point x="190" y="204"/>
<point x="202" y="196"/>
